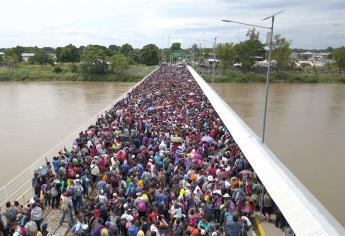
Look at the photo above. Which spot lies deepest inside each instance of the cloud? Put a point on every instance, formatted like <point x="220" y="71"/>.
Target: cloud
<point x="308" y="23"/>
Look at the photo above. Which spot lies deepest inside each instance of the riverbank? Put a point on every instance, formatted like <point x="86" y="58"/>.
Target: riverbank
<point x="69" y="72"/>
<point x="287" y="77"/>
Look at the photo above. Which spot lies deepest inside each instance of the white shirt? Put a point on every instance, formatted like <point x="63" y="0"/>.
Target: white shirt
<point x="127" y="216"/>
<point x="155" y="229"/>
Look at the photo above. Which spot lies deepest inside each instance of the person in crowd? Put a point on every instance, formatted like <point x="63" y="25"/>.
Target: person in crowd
<point x="159" y="162"/>
<point x="36" y="215"/>
<point x="66" y="208"/>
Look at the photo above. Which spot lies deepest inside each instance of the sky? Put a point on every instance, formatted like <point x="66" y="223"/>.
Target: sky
<point x="306" y="23"/>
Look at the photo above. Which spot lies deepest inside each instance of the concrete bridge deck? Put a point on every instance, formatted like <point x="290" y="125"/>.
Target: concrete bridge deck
<point x="306" y="215"/>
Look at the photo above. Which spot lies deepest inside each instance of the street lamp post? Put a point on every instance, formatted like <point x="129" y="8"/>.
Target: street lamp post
<point x="269" y="63"/>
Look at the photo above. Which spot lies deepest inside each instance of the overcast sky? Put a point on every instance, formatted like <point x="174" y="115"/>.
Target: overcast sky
<point x="307" y="23"/>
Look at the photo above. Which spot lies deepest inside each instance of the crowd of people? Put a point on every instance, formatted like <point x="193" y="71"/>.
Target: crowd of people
<point x="160" y="162"/>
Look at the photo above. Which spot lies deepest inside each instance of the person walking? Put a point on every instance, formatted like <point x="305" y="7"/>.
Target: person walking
<point x="66" y="208"/>
<point x="36" y="215"/>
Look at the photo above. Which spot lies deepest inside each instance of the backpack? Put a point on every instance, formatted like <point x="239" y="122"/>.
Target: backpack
<point x="78" y="190"/>
<point x="54" y="191"/>
<point x="64" y="205"/>
<point x="11" y="214"/>
<point x="141" y="206"/>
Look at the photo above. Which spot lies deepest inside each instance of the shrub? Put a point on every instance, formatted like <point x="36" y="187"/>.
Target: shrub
<point x="57" y="69"/>
<point x="73" y="68"/>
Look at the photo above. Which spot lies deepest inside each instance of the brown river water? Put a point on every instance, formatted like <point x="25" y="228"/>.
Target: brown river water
<point x="305" y="125"/>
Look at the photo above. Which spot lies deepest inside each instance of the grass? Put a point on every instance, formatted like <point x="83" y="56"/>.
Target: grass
<point x="69" y="72"/>
<point x="289" y="77"/>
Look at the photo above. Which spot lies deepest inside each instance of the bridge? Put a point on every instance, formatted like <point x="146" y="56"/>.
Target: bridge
<point x="304" y="213"/>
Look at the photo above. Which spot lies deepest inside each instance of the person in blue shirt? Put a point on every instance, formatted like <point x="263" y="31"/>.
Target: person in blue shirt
<point x="125" y="168"/>
<point x="56" y="165"/>
<point x="133" y="229"/>
<point x="140" y="168"/>
<point x="101" y="185"/>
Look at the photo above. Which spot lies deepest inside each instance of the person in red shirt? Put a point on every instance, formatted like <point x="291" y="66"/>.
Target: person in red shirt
<point x="153" y="215"/>
<point x="211" y="170"/>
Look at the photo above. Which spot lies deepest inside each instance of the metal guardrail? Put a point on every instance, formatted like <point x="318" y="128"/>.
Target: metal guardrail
<point x="305" y="214"/>
<point x="20" y="188"/>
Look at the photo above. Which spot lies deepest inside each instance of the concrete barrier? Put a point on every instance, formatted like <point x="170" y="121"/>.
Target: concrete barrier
<point x="305" y="214"/>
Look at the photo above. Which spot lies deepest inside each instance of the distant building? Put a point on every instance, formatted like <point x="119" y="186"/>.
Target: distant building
<point x="27" y="55"/>
<point x="317" y="59"/>
<point x="2" y="54"/>
<point x="211" y="61"/>
<point x="264" y="64"/>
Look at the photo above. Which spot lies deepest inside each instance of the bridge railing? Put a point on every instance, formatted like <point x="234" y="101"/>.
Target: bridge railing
<point x="19" y="188"/>
<point x="305" y="214"/>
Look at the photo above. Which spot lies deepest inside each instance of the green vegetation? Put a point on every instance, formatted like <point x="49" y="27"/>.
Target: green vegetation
<point x="289" y="77"/>
<point x="150" y="55"/>
<point x="238" y="62"/>
<point x="281" y="52"/>
<point x="339" y="55"/>
<point x="70" y="71"/>
<point x="93" y="62"/>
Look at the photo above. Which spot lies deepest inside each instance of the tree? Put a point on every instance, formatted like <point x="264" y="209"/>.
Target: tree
<point x="17" y="52"/>
<point x="150" y="55"/>
<point x="134" y="56"/>
<point x="41" y="57"/>
<point x="11" y="58"/>
<point x="281" y="52"/>
<point x="249" y="49"/>
<point x="253" y="34"/>
<point x="339" y="56"/>
<point x="226" y="53"/>
<point x="119" y="63"/>
<point x="69" y="53"/>
<point x="175" y="46"/>
<point x="114" y="49"/>
<point x="2" y="60"/>
<point x="126" y="49"/>
<point x="93" y="60"/>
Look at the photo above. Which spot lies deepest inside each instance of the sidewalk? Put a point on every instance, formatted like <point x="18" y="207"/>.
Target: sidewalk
<point x="268" y="229"/>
